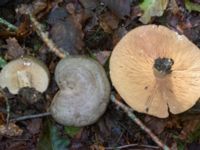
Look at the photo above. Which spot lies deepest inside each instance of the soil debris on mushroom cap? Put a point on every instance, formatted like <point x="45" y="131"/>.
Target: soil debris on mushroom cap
<point x="156" y="70"/>
<point x="25" y="71"/>
<point x="84" y="92"/>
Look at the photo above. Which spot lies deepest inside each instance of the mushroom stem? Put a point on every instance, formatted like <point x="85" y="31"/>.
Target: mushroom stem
<point x="162" y="66"/>
<point x="24" y="79"/>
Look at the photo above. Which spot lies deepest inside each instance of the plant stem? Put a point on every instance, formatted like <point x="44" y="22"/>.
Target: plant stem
<point x="139" y="122"/>
<point x="9" y="25"/>
<point x="30" y="117"/>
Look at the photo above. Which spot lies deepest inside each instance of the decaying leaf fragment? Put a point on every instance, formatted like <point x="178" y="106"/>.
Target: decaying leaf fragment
<point x="152" y="8"/>
<point x="10" y="130"/>
<point x="119" y="8"/>
<point x="14" y="49"/>
<point x="65" y="31"/>
<point x="192" y="6"/>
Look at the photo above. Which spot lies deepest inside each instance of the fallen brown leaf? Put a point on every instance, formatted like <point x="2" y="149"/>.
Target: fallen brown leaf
<point x="108" y="22"/>
<point x="66" y="30"/>
<point x="102" y="56"/>
<point x="118" y="34"/>
<point x="89" y="4"/>
<point x="37" y="8"/>
<point x="97" y="147"/>
<point x="14" y="49"/>
<point x="119" y="8"/>
<point x="157" y="125"/>
<point x="34" y="126"/>
<point x="10" y="130"/>
<point x="189" y="127"/>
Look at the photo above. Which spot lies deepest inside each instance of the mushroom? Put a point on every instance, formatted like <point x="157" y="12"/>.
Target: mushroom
<point x="24" y="72"/>
<point x="84" y="92"/>
<point x="156" y="70"/>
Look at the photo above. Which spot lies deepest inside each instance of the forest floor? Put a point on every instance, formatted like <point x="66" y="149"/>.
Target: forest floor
<point x="95" y="27"/>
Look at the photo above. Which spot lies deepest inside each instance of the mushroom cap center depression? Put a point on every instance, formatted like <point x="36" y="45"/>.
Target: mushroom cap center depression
<point x="162" y="66"/>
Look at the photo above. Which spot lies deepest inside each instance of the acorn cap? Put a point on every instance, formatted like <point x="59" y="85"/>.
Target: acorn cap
<point x="156" y="70"/>
<point x="84" y="92"/>
<point x="24" y="72"/>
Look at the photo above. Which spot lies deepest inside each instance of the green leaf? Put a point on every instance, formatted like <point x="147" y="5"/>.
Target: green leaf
<point x="50" y="140"/>
<point x="72" y="131"/>
<point x="152" y="8"/>
<point x="2" y="62"/>
<point x="194" y="135"/>
<point x="192" y="6"/>
<point x="181" y="145"/>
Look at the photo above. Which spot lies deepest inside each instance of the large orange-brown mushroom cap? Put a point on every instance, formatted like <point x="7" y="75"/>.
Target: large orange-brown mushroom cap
<point x="144" y="88"/>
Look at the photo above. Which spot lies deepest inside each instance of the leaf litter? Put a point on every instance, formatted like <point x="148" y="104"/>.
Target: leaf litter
<point x="90" y="27"/>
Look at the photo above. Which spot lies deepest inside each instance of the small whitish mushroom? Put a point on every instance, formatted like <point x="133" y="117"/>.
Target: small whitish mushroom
<point x="84" y="92"/>
<point x="24" y="72"/>
<point x="156" y="70"/>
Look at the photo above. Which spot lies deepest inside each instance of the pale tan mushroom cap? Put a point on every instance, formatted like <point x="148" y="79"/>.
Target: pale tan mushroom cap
<point x="24" y="71"/>
<point x="131" y="71"/>
<point x="84" y="92"/>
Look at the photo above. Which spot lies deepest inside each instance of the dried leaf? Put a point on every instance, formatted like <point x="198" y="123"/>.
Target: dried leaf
<point x="78" y="15"/>
<point x="14" y="49"/>
<point x="120" y="8"/>
<point x="72" y="131"/>
<point x="152" y="8"/>
<point x="89" y="4"/>
<point x="173" y="6"/>
<point x="34" y="125"/>
<point x="67" y="36"/>
<point x="97" y="147"/>
<point x="102" y="56"/>
<point x="157" y="125"/>
<point x="108" y="22"/>
<point x="191" y="129"/>
<point x="10" y="130"/>
<point x="192" y="6"/>
<point x="118" y="34"/>
<point x="66" y="31"/>
<point x="29" y="95"/>
<point x="2" y="119"/>
<point x="35" y="8"/>
<point x="57" y="14"/>
<point x="22" y="31"/>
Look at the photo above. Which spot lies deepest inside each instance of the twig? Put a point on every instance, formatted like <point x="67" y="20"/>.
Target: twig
<point x="9" y="25"/>
<point x="30" y="117"/>
<point x="44" y="36"/>
<point x="131" y="145"/>
<point x="139" y="122"/>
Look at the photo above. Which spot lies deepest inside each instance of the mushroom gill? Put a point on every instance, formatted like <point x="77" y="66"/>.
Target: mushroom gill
<point x="155" y="69"/>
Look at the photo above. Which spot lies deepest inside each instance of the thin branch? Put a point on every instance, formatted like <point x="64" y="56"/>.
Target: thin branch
<point x="9" y="25"/>
<point x="131" y="145"/>
<point x="30" y="117"/>
<point x="44" y="36"/>
<point x="139" y="122"/>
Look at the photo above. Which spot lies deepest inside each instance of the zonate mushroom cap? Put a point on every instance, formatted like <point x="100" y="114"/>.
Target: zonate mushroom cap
<point x="84" y="92"/>
<point x="24" y="72"/>
<point x="155" y="69"/>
